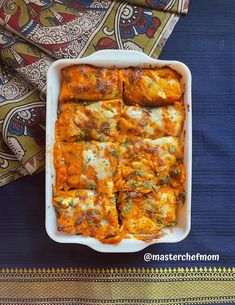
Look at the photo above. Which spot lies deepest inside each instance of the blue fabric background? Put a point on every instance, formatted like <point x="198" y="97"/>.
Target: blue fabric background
<point x="205" y="41"/>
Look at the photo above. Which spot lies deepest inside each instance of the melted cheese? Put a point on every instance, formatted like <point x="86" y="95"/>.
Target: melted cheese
<point x="87" y="165"/>
<point x="101" y="165"/>
<point x="145" y="216"/>
<point x="152" y="123"/>
<point x="99" y="107"/>
<point x="134" y="113"/>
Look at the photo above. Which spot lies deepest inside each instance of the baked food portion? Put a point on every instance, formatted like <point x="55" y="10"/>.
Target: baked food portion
<point x="85" y="165"/>
<point x="152" y="123"/>
<point x="150" y="178"/>
<point x="151" y="87"/>
<point x="86" y="82"/>
<point x="146" y="164"/>
<point x="143" y="216"/>
<point x="88" y="213"/>
<point x="89" y="121"/>
<point x="118" y="152"/>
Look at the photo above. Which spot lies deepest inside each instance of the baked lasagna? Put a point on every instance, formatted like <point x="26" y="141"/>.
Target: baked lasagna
<point x="118" y="152"/>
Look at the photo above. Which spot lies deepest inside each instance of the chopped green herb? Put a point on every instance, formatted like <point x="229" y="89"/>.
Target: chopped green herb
<point x="165" y="180"/>
<point x="146" y="185"/>
<point x="86" y="162"/>
<point x="125" y="144"/>
<point x="138" y="172"/>
<point x="159" y="222"/>
<point x="127" y="208"/>
<point x="132" y="184"/>
<point x="176" y="171"/>
<point x="105" y="162"/>
<point x="150" y="85"/>
<point x="154" y="187"/>
<point x="73" y="204"/>
<point x="171" y="118"/>
<point x="173" y="223"/>
<point x="90" y="222"/>
<point x="93" y="186"/>
<point x="113" y="199"/>
<point x="58" y="212"/>
<point x="101" y="139"/>
<point x="171" y="150"/>
<point x="114" y="153"/>
<point x="60" y="201"/>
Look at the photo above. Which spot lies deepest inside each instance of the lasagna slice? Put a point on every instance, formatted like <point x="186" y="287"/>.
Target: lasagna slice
<point x="151" y="87"/>
<point x="143" y="216"/>
<point x="85" y="165"/>
<point x="147" y="164"/>
<point x="85" y="82"/>
<point x="152" y="123"/>
<point x="92" y="121"/>
<point x="88" y="213"/>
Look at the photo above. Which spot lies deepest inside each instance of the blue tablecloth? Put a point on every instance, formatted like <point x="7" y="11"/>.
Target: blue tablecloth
<point x="205" y="41"/>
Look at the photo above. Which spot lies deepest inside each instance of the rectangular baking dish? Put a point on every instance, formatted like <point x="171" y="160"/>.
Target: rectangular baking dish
<point x="120" y="59"/>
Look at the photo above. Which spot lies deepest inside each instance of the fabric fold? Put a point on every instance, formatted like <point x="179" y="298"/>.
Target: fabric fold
<point x="33" y="34"/>
<point x="22" y="126"/>
<point x="24" y="58"/>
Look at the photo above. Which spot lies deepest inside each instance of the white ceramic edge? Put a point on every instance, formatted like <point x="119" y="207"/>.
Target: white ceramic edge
<point x="111" y="58"/>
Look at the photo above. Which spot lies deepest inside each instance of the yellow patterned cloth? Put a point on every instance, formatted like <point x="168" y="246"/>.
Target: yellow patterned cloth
<point x="34" y="33"/>
<point x="117" y="286"/>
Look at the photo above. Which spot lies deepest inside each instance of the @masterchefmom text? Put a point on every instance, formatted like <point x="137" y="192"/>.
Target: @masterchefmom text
<point x="148" y="257"/>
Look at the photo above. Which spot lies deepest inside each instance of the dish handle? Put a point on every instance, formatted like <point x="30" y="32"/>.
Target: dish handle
<point x="112" y="54"/>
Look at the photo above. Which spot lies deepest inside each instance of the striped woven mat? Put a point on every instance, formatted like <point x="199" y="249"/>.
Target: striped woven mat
<point x="117" y="286"/>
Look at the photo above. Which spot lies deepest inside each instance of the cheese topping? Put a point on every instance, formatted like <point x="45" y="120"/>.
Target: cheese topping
<point x="101" y="165"/>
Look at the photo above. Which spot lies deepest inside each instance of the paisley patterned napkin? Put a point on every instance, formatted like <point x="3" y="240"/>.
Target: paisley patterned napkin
<point x="34" y="33"/>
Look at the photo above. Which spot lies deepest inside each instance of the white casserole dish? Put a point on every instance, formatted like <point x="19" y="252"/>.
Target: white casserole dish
<point x="120" y="59"/>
